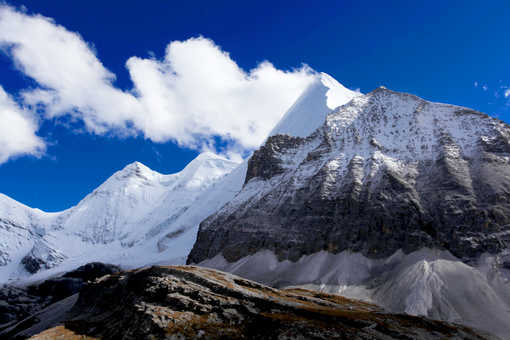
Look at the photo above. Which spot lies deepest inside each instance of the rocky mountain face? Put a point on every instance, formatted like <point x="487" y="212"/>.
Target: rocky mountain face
<point x="191" y="302"/>
<point x="387" y="171"/>
<point x="393" y="200"/>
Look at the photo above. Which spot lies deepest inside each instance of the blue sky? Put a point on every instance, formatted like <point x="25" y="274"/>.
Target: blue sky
<point x="107" y="83"/>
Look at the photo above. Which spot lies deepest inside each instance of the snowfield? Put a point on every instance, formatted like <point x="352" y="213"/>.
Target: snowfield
<point x="136" y="218"/>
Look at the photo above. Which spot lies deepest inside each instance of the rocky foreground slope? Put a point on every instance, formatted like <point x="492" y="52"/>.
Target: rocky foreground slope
<point x="22" y="307"/>
<point x="198" y="303"/>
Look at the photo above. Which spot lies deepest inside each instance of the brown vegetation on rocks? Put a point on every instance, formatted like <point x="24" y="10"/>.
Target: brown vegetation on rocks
<point x="197" y="303"/>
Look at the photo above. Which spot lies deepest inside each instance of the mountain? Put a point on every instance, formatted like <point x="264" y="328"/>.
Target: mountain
<point x="388" y="171"/>
<point x="135" y="218"/>
<point x="393" y="199"/>
<point x="138" y="216"/>
<point x="382" y="197"/>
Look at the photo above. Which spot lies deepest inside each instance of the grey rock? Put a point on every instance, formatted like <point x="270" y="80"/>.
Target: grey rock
<point x="42" y="256"/>
<point x="189" y="302"/>
<point x="44" y="319"/>
<point x="92" y="271"/>
<point x="387" y="171"/>
<point x="20" y="303"/>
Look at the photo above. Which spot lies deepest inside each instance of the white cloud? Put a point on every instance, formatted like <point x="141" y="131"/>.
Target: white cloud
<point x="193" y="96"/>
<point x="73" y="81"/>
<point x="501" y="104"/>
<point x="17" y="131"/>
<point x="476" y="84"/>
<point x="199" y="91"/>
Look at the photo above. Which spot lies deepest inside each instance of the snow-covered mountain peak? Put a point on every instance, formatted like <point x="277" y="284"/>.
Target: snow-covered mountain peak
<point x="137" y="170"/>
<point x="387" y="180"/>
<point x="337" y="94"/>
<point x="131" y="197"/>
<point x="404" y="126"/>
<point x="311" y="108"/>
<point x="206" y="169"/>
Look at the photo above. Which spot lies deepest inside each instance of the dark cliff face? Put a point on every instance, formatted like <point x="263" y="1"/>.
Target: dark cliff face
<point x="198" y="303"/>
<point x="19" y="305"/>
<point x="389" y="171"/>
<point x="264" y="164"/>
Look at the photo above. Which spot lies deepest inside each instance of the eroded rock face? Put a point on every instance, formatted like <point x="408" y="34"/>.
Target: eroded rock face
<point x="189" y="302"/>
<point x="387" y="171"/>
<point x="42" y="256"/>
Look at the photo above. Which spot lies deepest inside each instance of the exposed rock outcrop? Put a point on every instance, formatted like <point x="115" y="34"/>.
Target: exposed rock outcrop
<point x="190" y="302"/>
<point x="42" y="256"/>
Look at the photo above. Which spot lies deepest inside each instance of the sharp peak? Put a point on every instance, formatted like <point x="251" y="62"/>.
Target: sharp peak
<point x="382" y="89"/>
<point x="135" y="169"/>
<point x="328" y="81"/>
<point x="136" y="165"/>
<point x="324" y="77"/>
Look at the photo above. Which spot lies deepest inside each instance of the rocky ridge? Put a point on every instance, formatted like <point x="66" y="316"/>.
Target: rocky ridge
<point x="185" y="302"/>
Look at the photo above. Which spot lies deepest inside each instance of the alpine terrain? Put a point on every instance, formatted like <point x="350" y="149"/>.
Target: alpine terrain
<point x="135" y="218"/>
<point x="377" y="216"/>
<point x="392" y="199"/>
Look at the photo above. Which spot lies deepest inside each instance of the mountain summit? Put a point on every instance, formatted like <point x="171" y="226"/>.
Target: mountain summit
<point x="311" y="108"/>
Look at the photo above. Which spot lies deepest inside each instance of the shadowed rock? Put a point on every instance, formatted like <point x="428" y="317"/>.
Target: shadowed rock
<point x="190" y="302"/>
<point x="19" y="306"/>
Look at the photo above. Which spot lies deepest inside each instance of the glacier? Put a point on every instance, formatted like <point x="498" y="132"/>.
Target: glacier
<point x="137" y="217"/>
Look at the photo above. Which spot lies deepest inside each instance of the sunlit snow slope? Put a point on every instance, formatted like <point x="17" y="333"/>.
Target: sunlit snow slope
<point x="135" y="218"/>
<point x="309" y="111"/>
